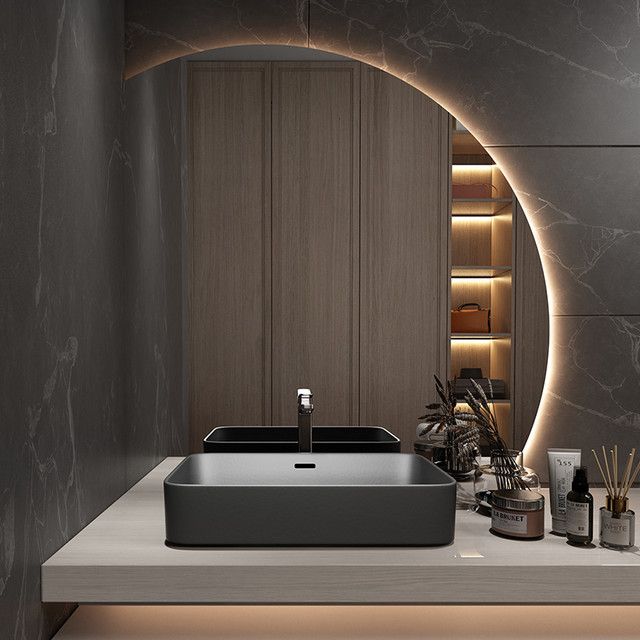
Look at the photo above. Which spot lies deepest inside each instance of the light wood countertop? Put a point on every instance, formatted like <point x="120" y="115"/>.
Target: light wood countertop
<point x="121" y="558"/>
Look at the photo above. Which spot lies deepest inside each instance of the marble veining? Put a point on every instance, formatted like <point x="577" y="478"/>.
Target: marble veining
<point x="66" y="175"/>
<point x="198" y="25"/>
<point x="502" y="68"/>
<point x="582" y="205"/>
<point x="593" y="392"/>
<point x="90" y="222"/>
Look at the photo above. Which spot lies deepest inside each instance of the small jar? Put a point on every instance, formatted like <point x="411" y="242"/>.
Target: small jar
<point x="517" y="514"/>
<point x="617" y="525"/>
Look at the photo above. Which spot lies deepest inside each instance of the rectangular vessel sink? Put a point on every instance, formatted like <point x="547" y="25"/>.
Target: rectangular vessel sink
<point x="226" y="439"/>
<point x="289" y="499"/>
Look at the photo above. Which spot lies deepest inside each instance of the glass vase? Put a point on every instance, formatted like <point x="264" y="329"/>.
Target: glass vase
<point x="505" y="470"/>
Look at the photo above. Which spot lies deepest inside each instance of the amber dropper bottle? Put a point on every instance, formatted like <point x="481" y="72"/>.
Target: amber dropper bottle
<point x="580" y="510"/>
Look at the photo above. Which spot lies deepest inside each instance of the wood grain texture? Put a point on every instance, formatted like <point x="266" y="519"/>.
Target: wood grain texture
<point x="531" y="337"/>
<point x="229" y="225"/>
<point x="471" y="241"/>
<point x="121" y="558"/>
<point x="315" y="239"/>
<point x="404" y="220"/>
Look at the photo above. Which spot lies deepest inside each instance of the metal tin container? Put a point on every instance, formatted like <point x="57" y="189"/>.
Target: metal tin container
<point x="517" y="514"/>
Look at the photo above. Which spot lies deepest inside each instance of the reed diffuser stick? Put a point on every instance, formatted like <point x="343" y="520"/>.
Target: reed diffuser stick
<point x="614" y="455"/>
<point x="627" y="469"/>
<point x="604" y="477"/>
<point x="606" y="464"/>
<point x="633" y="479"/>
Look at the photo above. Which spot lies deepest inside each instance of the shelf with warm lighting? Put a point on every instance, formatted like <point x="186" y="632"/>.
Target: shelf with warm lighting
<point x="480" y="336"/>
<point x="504" y="401"/>
<point x="488" y="271"/>
<point x="479" y="206"/>
<point x="467" y="150"/>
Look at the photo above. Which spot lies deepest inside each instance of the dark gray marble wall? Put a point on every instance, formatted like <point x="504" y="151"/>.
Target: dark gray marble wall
<point x="67" y="383"/>
<point x="153" y="289"/>
<point x="552" y="88"/>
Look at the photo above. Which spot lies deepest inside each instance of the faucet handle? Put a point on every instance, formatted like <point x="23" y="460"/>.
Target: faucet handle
<point x="305" y="401"/>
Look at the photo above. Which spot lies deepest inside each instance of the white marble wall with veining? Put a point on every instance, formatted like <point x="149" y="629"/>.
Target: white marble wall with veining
<point x="70" y="390"/>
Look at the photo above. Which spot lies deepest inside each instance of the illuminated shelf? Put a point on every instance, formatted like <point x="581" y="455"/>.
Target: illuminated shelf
<point x="479" y="336"/>
<point x="501" y="401"/>
<point x="473" y="271"/>
<point x="479" y="206"/>
<point x="464" y="144"/>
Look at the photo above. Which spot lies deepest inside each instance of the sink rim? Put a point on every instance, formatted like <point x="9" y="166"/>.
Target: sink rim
<point x="391" y="437"/>
<point x="446" y="479"/>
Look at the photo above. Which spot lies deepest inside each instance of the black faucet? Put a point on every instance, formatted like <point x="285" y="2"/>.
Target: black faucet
<point x="305" y="411"/>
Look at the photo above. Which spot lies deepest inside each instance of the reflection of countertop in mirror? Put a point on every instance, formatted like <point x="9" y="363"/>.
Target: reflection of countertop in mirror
<point x="121" y="558"/>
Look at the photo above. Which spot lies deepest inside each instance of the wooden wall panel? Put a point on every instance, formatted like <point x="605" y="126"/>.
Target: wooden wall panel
<point x="531" y="331"/>
<point x="229" y="225"/>
<point x="315" y="239"/>
<point x="404" y="258"/>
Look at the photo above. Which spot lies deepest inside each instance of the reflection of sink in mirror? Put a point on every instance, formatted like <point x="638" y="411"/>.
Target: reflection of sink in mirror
<point x="285" y="439"/>
<point x="273" y="499"/>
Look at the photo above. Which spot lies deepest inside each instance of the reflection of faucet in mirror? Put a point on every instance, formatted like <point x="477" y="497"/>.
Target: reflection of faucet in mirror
<point x="305" y="411"/>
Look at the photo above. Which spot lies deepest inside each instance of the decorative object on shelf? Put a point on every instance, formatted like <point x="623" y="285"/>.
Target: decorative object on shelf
<point x="579" y="510"/>
<point x="455" y="437"/>
<point x="517" y="514"/>
<point x="617" y="521"/>
<point x="470" y="318"/>
<point x="494" y="476"/>
<point x="494" y="388"/>
<point x="508" y="470"/>
<point x="454" y="441"/>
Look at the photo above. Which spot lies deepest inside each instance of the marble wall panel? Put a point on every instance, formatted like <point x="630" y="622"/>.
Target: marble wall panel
<point x="161" y="31"/>
<point x="62" y="459"/>
<point x="584" y="207"/>
<point x="546" y="72"/>
<point x="593" y="389"/>
<point x="90" y="393"/>
<point x="153" y="236"/>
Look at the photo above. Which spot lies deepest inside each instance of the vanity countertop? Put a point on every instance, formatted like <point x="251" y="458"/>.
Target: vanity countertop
<point x="121" y="557"/>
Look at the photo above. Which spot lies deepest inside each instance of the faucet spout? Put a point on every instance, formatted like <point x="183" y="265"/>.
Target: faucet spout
<point x="305" y="411"/>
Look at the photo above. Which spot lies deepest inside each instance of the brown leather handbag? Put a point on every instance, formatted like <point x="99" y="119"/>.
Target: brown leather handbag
<point x="470" y="318"/>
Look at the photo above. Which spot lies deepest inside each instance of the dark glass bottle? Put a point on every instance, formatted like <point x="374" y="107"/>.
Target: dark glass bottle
<point x="580" y="510"/>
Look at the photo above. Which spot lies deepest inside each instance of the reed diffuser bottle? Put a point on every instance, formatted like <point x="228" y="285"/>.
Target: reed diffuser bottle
<point x="617" y="521"/>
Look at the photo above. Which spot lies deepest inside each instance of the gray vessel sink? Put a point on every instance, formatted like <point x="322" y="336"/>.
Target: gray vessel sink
<point x="231" y="439"/>
<point x="290" y="499"/>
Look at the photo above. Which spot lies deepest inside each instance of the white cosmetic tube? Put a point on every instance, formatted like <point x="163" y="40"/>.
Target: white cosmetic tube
<point x="562" y="464"/>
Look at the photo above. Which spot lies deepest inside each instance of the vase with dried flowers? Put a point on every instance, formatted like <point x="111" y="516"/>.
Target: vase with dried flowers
<point x="455" y="436"/>
<point x="505" y="469"/>
<point x="454" y="441"/>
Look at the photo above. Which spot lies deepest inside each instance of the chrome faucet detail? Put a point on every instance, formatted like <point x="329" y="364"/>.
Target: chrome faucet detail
<point x="305" y="411"/>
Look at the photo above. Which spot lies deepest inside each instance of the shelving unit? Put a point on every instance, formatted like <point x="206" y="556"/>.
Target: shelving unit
<point x="482" y="267"/>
